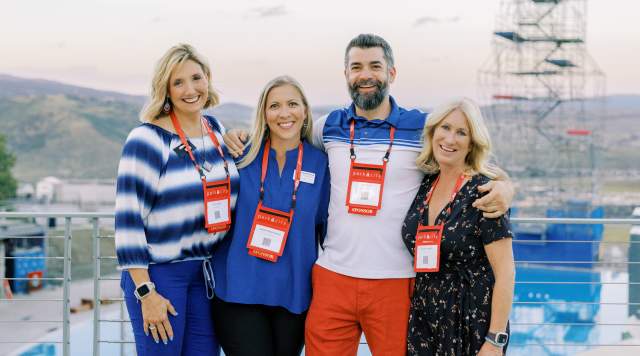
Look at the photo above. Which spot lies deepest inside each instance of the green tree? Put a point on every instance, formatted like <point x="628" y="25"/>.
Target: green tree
<point x="8" y="184"/>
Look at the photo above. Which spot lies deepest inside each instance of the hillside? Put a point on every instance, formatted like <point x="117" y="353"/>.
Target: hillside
<point x="11" y="86"/>
<point x="74" y="132"/>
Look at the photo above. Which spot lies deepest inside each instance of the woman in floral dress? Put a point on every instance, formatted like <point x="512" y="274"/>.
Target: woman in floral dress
<point x="465" y="270"/>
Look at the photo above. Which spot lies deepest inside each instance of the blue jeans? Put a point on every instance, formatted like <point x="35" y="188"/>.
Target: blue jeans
<point x="183" y="284"/>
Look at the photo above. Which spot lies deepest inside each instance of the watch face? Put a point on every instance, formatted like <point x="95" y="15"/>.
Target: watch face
<point x="502" y="338"/>
<point x="143" y="290"/>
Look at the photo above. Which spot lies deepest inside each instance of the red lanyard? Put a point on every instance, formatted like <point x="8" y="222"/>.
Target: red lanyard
<point x="265" y="165"/>
<point x="427" y="198"/>
<point x="187" y="147"/>
<point x="352" y="130"/>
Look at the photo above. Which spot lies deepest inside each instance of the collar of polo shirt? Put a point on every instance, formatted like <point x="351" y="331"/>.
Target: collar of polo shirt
<point x="392" y="119"/>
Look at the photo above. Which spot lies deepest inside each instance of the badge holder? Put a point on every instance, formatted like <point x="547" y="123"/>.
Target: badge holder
<point x="427" y="248"/>
<point x="269" y="233"/>
<point x="364" y="192"/>
<point x="217" y="205"/>
<point x="270" y="227"/>
<point x="217" y="195"/>
<point x="366" y="181"/>
<point x="426" y="254"/>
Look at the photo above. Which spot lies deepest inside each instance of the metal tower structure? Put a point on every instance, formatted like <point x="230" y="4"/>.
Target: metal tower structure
<point x="545" y="97"/>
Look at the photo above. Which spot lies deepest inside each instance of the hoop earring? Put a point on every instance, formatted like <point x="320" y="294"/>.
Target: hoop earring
<point x="166" y="108"/>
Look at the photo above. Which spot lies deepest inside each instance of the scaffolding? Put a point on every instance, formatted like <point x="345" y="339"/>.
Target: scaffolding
<point x="545" y="97"/>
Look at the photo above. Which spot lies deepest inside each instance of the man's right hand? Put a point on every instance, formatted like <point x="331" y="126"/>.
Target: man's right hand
<point x="235" y="139"/>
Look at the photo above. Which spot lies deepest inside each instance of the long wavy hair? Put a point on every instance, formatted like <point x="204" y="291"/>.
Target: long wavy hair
<point x="480" y="146"/>
<point x="173" y="58"/>
<point x="260" y="130"/>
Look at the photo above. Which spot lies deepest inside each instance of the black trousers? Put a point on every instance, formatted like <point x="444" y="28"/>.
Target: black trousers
<point x="257" y="330"/>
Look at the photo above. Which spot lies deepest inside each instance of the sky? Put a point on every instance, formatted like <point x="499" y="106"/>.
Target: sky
<point x="438" y="45"/>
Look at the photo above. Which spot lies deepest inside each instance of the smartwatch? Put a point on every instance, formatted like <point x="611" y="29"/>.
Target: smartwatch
<point x="143" y="290"/>
<point x="498" y="339"/>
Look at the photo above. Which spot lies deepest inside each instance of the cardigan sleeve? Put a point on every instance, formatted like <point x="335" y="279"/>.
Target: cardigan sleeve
<point x="139" y="171"/>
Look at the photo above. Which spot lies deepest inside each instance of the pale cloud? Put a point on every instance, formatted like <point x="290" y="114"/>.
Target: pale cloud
<point x="435" y="59"/>
<point x="269" y="11"/>
<point x="158" y="19"/>
<point x="61" y="72"/>
<point x="430" y="19"/>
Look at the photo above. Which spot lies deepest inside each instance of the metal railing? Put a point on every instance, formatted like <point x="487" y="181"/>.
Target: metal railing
<point x="66" y="278"/>
<point x="93" y="220"/>
<point x="98" y="257"/>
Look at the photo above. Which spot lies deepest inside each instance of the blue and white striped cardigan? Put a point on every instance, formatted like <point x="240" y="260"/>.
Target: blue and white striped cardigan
<point x="159" y="198"/>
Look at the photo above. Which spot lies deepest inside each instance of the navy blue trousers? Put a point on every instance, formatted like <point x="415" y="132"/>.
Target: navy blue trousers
<point x="183" y="284"/>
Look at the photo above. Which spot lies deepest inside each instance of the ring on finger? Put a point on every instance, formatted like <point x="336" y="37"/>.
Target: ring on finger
<point x="152" y="327"/>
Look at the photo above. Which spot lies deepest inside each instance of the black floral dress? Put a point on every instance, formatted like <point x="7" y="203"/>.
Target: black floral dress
<point x="451" y="309"/>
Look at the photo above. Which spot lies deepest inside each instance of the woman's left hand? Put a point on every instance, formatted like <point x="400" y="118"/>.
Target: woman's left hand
<point x="488" y="349"/>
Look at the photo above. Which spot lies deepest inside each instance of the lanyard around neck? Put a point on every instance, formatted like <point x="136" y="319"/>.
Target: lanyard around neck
<point x="265" y="165"/>
<point x="352" y="131"/>
<point x="456" y="188"/>
<point x="187" y="147"/>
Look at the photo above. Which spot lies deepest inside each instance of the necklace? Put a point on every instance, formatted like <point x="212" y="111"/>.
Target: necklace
<point x="205" y="165"/>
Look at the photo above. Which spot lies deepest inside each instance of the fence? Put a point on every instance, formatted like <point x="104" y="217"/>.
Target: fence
<point x="518" y="321"/>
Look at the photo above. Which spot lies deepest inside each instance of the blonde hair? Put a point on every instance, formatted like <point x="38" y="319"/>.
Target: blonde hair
<point x="480" y="142"/>
<point x="174" y="57"/>
<point x="260" y="130"/>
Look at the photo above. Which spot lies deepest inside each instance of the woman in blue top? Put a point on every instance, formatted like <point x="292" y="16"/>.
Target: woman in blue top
<point x="263" y="271"/>
<point x="164" y="231"/>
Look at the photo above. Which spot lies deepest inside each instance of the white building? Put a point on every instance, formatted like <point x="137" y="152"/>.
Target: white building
<point x="46" y="189"/>
<point x="87" y="192"/>
<point x="26" y="191"/>
<point x="90" y="192"/>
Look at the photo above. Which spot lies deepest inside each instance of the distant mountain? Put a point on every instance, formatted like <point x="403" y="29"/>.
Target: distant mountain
<point x="623" y="102"/>
<point x="74" y="132"/>
<point x="65" y="135"/>
<point x="233" y="115"/>
<point x="11" y="86"/>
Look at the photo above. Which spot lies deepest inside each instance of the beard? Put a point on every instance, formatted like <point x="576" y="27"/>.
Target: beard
<point x="369" y="101"/>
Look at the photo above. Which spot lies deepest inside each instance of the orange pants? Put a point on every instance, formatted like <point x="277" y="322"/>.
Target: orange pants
<point x="343" y="307"/>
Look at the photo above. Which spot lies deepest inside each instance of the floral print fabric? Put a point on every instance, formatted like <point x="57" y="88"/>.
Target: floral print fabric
<point x="451" y="309"/>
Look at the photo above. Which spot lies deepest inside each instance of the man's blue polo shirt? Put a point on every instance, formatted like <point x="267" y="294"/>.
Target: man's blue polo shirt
<point x="371" y="246"/>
